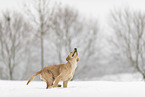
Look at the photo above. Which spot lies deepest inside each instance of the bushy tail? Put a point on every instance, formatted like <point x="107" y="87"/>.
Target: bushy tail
<point x="37" y="73"/>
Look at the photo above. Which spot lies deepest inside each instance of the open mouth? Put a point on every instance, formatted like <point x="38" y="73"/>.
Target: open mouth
<point x="75" y="51"/>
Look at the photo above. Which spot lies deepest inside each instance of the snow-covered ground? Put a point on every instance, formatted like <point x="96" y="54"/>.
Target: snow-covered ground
<point x="75" y="89"/>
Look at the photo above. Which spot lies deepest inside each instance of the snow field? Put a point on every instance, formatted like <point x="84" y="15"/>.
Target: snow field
<point x="75" y="89"/>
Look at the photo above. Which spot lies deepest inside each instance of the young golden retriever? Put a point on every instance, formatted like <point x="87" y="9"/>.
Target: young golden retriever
<point x="61" y="72"/>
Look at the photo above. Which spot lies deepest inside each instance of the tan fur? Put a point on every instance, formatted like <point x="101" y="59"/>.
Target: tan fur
<point x="56" y="73"/>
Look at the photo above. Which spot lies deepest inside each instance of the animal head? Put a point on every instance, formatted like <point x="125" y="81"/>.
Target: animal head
<point x="73" y="55"/>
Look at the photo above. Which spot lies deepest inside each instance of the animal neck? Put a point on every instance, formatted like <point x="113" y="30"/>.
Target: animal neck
<point x="73" y="64"/>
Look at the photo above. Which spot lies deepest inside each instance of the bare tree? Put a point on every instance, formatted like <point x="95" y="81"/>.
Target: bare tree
<point x="39" y="11"/>
<point x="129" y="36"/>
<point x="73" y="30"/>
<point x="13" y="36"/>
<point x="69" y="21"/>
<point x="66" y="27"/>
<point x="89" y="43"/>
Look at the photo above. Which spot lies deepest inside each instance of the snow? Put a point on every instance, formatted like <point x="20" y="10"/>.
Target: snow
<point x="75" y="89"/>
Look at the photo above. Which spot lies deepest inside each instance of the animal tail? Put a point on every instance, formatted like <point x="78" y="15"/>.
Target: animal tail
<point x="33" y="76"/>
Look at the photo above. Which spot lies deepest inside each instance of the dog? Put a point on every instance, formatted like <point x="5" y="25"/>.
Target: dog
<point x="61" y="72"/>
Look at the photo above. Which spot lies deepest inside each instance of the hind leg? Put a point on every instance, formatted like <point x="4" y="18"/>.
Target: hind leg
<point x="48" y="78"/>
<point x="49" y="85"/>
<point x="49" y="81"/>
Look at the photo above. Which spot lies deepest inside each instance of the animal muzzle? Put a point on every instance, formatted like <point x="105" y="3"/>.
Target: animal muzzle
<point x="75" y="51"/>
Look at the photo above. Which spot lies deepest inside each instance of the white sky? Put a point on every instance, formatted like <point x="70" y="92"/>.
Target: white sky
<point x="92" y="8"/>
<point x="89" y="7"/>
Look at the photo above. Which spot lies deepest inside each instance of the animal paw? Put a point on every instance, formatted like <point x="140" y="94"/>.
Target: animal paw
<point x="54" y="86"/>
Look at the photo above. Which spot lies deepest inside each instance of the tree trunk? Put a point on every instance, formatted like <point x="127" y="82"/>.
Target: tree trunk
<point x="10" y="75"/>
<point x="42" y="52"/>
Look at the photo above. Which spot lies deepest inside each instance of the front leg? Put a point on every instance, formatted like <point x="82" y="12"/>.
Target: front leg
<point x="66" y="82"/>
<point x="57" y="81"/>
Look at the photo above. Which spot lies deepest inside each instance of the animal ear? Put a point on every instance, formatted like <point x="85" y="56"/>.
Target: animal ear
<point x="78" y="59"/>
<point x="67" y="58"/>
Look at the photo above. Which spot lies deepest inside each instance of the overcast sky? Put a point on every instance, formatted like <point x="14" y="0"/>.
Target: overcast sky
<point x="92" y="8"/>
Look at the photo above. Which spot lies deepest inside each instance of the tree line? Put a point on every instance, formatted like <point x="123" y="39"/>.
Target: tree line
<point x="45" y="32"/>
